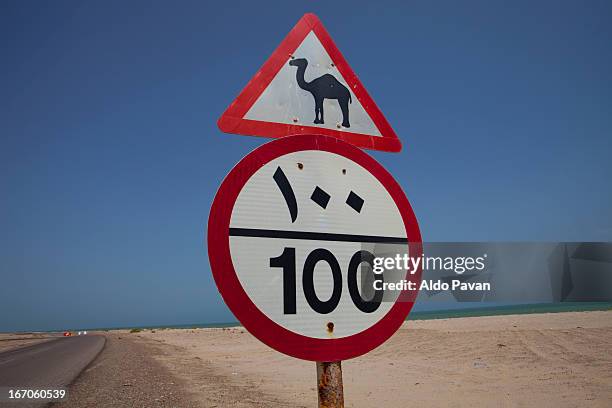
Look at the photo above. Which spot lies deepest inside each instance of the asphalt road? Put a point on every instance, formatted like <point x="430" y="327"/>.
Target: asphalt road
<point x="51" y="364"/>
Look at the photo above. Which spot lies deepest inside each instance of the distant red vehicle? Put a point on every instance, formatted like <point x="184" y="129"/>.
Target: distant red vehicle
<point x="67" y="334"/>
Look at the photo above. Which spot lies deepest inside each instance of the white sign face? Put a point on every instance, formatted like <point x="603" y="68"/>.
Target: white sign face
<point x="290" y="97"/>
<point x="296" y="224"/>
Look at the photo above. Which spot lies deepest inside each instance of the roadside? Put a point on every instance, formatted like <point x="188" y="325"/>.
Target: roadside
<point x="212" y="379"/>
<point x="126" y="375"/>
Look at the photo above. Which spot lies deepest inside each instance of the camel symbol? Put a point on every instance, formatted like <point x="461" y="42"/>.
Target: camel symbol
<point x="325" y="86"/>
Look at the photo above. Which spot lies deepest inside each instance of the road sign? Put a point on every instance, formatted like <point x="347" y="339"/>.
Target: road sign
<point x="292" y="234"/>
<point x="307" y="87"/>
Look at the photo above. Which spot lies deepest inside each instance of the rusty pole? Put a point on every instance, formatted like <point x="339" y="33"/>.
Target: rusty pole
<point x="329" y="382"/>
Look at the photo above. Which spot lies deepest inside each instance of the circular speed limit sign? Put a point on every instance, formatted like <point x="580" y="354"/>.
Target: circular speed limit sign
<point x="293" y="236"/>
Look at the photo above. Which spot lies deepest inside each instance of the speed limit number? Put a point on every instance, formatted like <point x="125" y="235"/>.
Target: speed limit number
<point x="292" y="236"/>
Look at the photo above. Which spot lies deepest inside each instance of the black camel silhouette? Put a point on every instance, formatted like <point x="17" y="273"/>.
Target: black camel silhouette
<point x="325" y="86"/>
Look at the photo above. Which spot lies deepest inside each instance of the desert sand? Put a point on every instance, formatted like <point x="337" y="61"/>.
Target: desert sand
<point x="10" y="341"/>
<point x="538" y="360"/>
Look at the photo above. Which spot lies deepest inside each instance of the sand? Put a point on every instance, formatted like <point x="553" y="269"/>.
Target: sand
<point x="126" y="374"/>
<point x="538" y="360"/>
<point x="9" y="341"/>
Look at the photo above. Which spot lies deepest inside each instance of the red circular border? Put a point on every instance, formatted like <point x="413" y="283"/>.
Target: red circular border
<point x="253" y="319"/>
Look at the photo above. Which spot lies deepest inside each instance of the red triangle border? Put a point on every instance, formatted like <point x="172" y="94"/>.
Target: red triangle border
<point x="233" y="121"/>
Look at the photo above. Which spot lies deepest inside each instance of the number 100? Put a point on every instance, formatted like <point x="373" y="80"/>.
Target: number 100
<point x="286" y="260"/>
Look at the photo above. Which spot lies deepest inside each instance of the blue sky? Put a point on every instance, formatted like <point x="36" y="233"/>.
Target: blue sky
<point x="111" y="156"/>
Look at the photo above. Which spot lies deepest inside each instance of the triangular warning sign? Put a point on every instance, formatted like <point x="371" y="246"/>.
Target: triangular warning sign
<point x="307" y="87"/>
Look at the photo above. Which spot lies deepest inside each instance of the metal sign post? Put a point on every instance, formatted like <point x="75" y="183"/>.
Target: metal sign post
<point x="329" y="385"/>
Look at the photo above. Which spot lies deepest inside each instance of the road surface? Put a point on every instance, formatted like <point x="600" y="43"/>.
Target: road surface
<point x="51" y="364"/>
